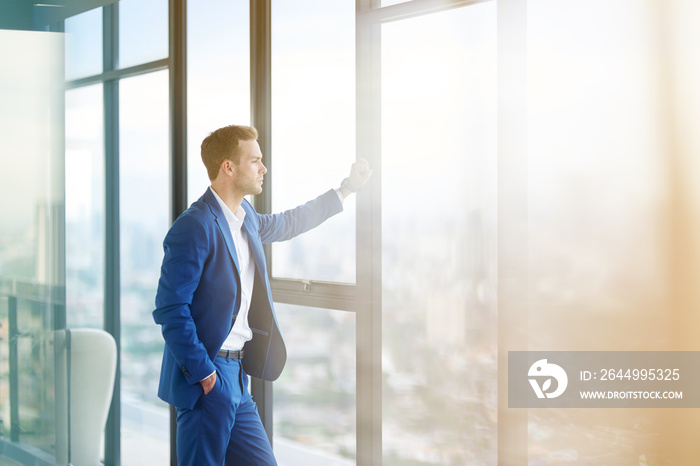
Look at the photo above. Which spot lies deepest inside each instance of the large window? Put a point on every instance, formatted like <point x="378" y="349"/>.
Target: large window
<point x="218" y="78"/>
<point x="118" y="204"/>
<point x="438" y="238"/>
<point x="314" y="398"/>
<point x="83" y="44"/>
<point x="143" y="31"/>
<point x="312" y="125"/>
<point x="144" y="169"/>
<point x="85" y="204"/>
<point x="429" y="87"/>
<point x="313" y="131"/>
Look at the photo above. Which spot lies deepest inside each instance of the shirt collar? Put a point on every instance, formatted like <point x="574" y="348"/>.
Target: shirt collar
<point x="235" y="220"/>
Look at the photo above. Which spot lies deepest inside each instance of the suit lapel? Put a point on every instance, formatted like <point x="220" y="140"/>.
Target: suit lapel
<point x="254" y="242"/>
<point x="221" y="222"/>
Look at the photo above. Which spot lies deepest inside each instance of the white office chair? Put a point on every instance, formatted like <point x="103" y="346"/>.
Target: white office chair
<point x="93" y="363"/>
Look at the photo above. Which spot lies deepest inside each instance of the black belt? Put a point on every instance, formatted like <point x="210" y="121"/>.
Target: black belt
<point x="228" y="354"/>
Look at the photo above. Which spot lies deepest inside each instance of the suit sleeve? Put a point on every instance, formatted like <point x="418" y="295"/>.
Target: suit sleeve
<point x="186" y="248"/>
<point x="288" y="224"/>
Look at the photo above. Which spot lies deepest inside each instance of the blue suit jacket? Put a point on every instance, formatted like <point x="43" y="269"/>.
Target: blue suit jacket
<point x="198" y="292"/>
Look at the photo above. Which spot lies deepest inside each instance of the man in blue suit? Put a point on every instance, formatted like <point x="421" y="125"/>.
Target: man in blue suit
<point x="215" y="307"/>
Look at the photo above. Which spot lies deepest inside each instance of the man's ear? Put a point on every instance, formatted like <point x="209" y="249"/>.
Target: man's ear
<point x="227" y="167"/>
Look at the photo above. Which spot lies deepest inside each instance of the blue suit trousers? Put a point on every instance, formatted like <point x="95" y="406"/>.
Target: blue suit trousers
<point x="224" y="427"/>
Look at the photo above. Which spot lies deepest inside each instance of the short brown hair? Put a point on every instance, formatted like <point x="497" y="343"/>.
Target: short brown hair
<point x="223" y="144"/>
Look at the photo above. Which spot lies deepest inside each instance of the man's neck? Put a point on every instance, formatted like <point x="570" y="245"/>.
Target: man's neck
<point x="228" y="195"/>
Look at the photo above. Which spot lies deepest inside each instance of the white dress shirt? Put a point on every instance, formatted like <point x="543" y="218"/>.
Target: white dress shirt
<point x="240" y="333"/>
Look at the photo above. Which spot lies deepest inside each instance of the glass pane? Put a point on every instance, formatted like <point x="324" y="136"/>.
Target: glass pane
<point x="144" y="207"/>
<point x="218" y="90"/>
<point x="314" y="398"/>
<point x="33" y="406"/>
<point x="439" y="103"/>
<point x="85" y="202"/>
<point x="143" y="31"/>
<point x="84" y="44"/>
<point x="313" y="138"/>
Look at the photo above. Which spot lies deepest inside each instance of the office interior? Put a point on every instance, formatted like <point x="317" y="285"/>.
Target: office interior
<point x="535" y="187"/>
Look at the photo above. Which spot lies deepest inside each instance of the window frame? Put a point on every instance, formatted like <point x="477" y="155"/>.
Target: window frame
<point x="364" y="297"/>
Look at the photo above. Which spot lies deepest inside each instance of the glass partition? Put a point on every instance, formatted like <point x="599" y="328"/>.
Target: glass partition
<point x="33" y="413"/>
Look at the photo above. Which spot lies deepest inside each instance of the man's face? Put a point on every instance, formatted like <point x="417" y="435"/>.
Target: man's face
<point x="248" y="176"/>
